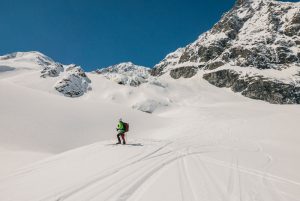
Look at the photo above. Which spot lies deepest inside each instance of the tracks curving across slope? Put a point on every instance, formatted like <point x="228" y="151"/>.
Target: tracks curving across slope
<point x="156" y="170"/>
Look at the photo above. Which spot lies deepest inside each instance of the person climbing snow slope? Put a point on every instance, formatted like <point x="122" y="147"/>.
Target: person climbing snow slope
<point x="121" y="128"/>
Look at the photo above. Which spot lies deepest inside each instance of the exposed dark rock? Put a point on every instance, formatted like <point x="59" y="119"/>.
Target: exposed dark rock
<point x="209" y="53"/>
<point x="222" y="78"/>
<point x="285" y="55"/>
<point x="296" y="18"/>
<point x="188" y="55"/>
<point x="239" y="85"/>
<point x="275" y="16"/>
<point x="135" y="83"/>
<point x="52" y="70"/>
<point x="242" y="2"/>
<point x="255" y="88"/>
<point x="261" y="56"/>
<point x="293" y="30"/>
<point x="229" y="24"/>
<point x="214" y="65"/>
<point x="294" y="27"/>
<point x="273" y="92"/>
<point x="185" y="72"/>
<point x="157" y="71"/>
<point x="75" y="83"/>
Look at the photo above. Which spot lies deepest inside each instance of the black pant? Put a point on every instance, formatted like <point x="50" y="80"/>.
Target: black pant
<point x="123" y="137"/>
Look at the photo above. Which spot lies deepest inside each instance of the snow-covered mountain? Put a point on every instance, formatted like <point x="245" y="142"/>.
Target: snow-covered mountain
<point x="254" y="49"/>
<point x="71" y="80"/>
<point x="27" y="60"/>
<point x="126" y="73"/>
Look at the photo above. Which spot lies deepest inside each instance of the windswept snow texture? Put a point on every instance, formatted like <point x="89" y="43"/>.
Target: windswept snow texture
<point x="126" y="74"/>
<point x="149" y="106"/>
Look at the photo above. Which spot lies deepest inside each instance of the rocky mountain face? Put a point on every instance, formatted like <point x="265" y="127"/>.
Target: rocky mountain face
<point x="256" y="87"/>
<point x="254" y="49"/>
<point x="52" y="70"/>
<point x="127" y="73"/>
<point x="74" y="83"/>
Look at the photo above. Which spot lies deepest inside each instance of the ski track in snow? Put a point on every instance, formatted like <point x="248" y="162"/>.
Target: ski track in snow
<point x="115" y="171"/>
<point x="127" y="179"/>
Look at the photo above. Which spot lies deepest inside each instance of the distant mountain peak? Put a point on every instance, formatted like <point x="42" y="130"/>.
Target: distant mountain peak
<point x="124" y="67"/>
<point x="26" y="55"/>
<point x="32" y="60"/>
<point x="126" y="73"/>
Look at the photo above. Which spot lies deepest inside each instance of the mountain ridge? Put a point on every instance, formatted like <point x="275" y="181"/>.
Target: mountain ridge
<point x="254" y="34"/>
<point x="126" y="73"/>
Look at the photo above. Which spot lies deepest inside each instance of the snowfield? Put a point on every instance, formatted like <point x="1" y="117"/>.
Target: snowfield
<point x="200" y="142"/>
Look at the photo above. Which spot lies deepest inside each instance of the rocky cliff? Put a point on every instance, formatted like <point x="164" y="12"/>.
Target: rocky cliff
<point x="74" y="83"/>
<point x="257" y="39"/>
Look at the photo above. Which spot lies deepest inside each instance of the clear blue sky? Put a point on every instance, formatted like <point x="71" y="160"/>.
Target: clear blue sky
<point x="104" y="32"/>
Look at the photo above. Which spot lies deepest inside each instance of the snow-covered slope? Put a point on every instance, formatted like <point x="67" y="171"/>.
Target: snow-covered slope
<point x="256" y="38"/>
<point x="32" y="59"/>
<point x="210" y="144"/>
<point x="24" y="61"/>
